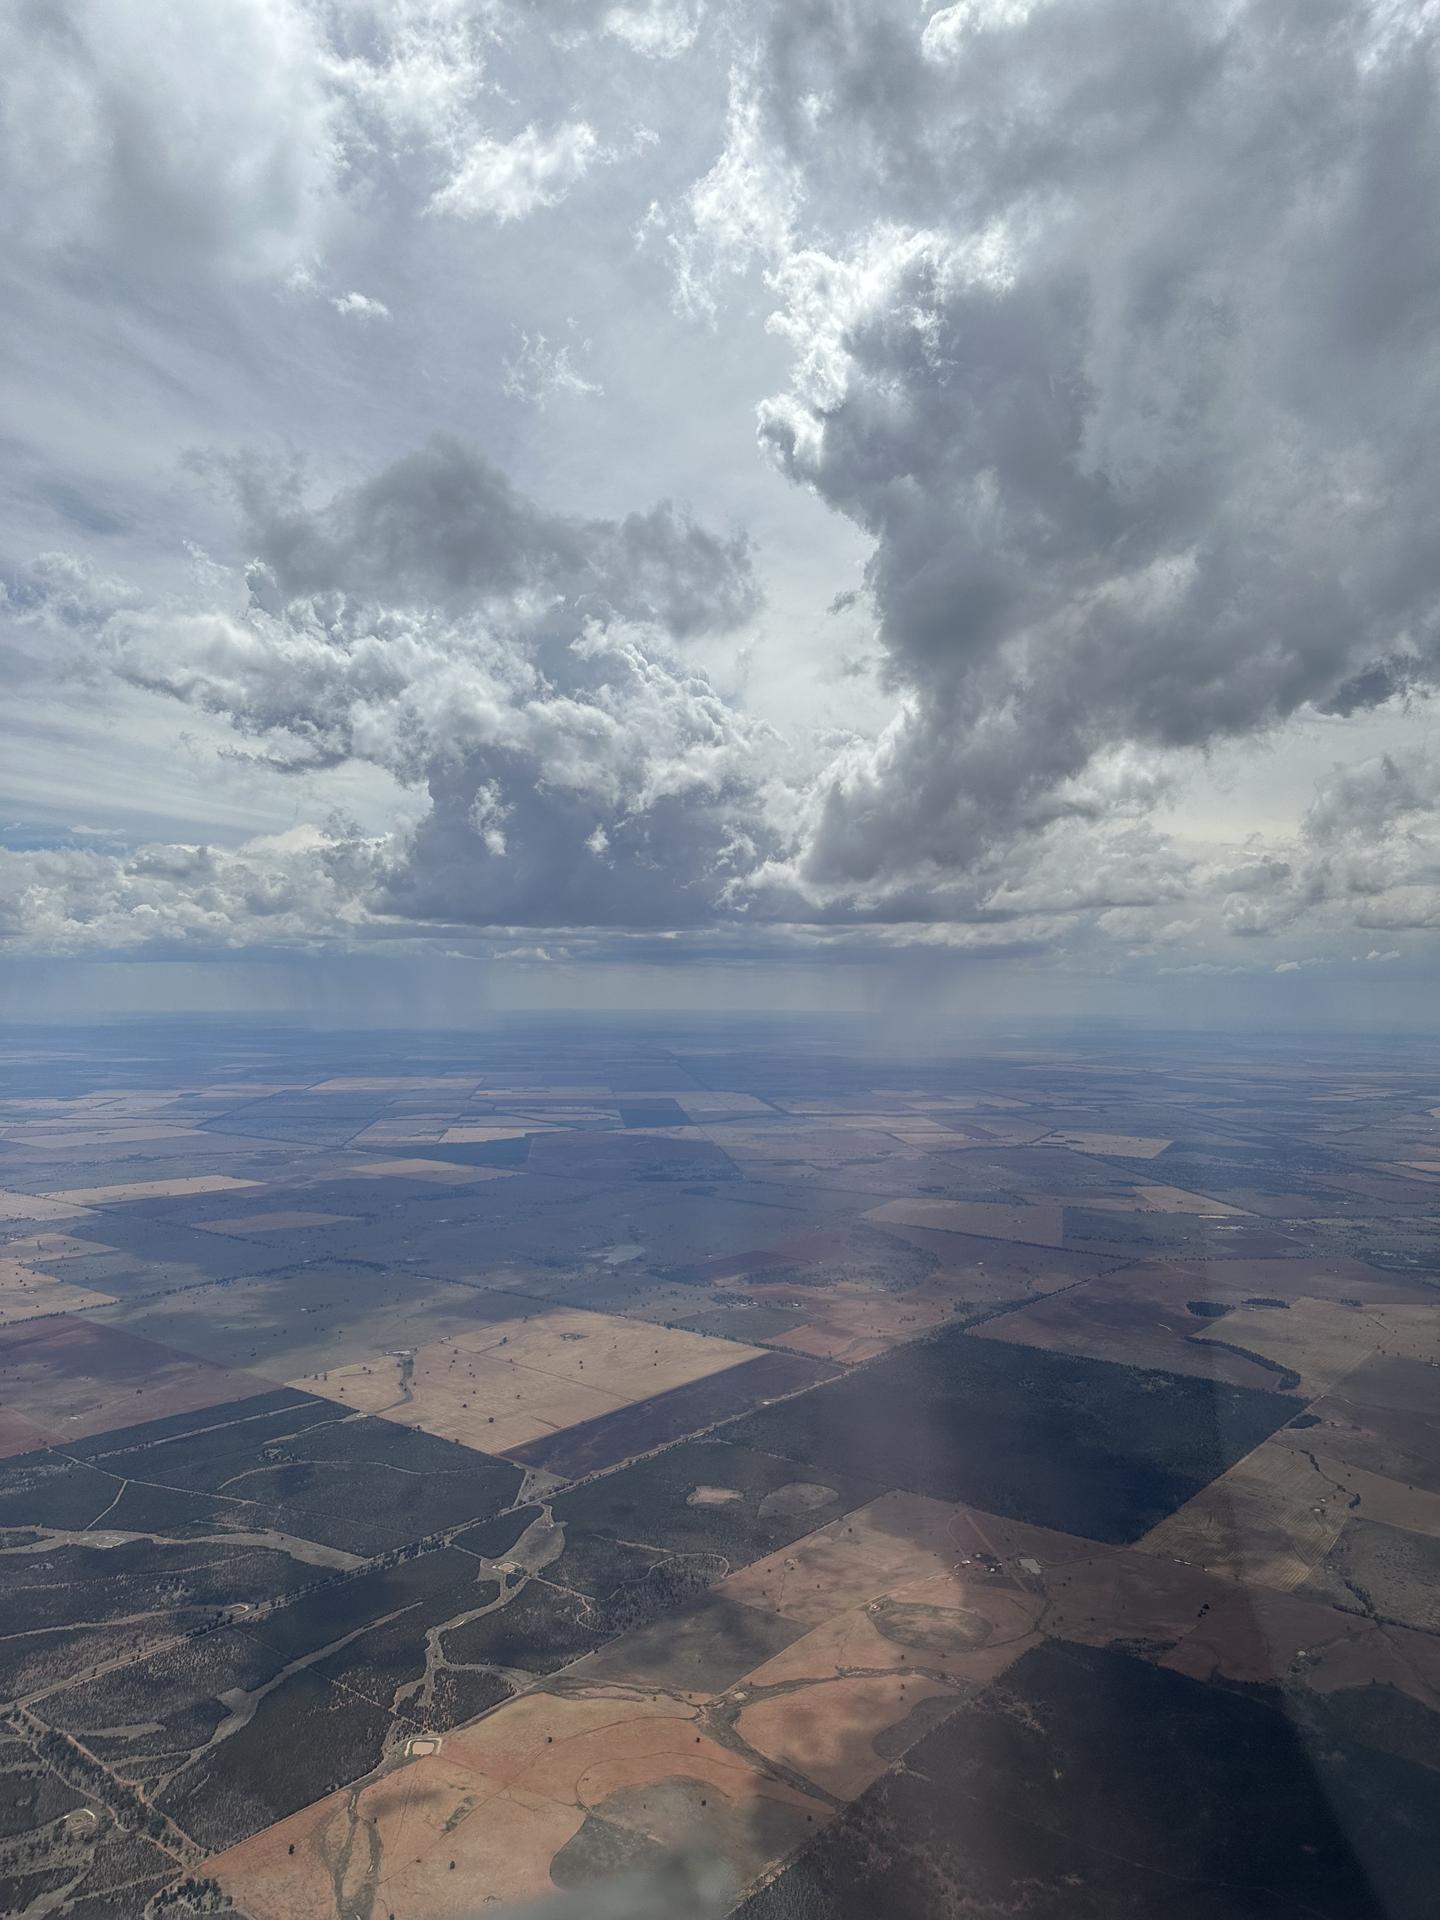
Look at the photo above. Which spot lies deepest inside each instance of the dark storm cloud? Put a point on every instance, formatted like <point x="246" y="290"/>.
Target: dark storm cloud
<point x="1112" y="331"/>
<point x="520" y="666"/>
<point x="1127" y="367"/>
<point x="444" y="527"/>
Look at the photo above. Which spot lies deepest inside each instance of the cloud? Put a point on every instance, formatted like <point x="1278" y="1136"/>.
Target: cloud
<point x="949" y="29"/>
<point x="444" y="527"/>
<point x="359" y="306"/>
<point x="524" y="674"/>
<point x="508" y="179"/>
<point x="249" y="137"/>
<point x="1370" y="843"/>
<point x="302" y="888"/>
<point x="740" y="212"/>
<point x="540" y="371"/>
<point x="124" y="128"/>
<point x="1103" y="329"/>
<point x="658" y="29"/>
<point x="521" y="667"/>
<point x="1125" y="372"/>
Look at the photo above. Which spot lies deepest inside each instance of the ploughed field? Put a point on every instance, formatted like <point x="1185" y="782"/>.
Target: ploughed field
<point x="452" y="1470"/>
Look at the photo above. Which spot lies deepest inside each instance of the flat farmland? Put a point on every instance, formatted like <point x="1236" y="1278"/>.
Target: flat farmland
<point x="1359" y="1428"/>
<point x="1006" y="1793"/>
<point x="35" y="1206"/>
<point x="544" y="1448"/>
<point x="1061" y="1440"/>
<point x="849" y="1321"/>
<point x="1202" y="1322"/>
<point x="527" y="1377"/>
<point x="1278" y="1515"/>
<point x="27" y="1292"/>
<point x="996" y="1271"/>
<point x="72" y="1377"/>
<point x="508" y="1798"/>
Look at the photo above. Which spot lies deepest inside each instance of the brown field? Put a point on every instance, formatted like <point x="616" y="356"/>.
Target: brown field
<point x="990" y="1270"/>
<point x="72" y="1378"/>
<point x="841" y="1702"/>
<point x="30" y="1206"/>
<point x="498" y="1387"/>
<point x="388" y="1846"/>
<point x="273" y="1222"/>
<point x="17" y="1434"/>
<point x="1140" y="1317"/>
<point x="1394" y="1382"/>
<point x="850" y="1322"/>
<point x="954" y="1629"/>
<point x="1396" y="1442"/>
<point x="897" y="1545"/>
<point x="25" y="1294"/>
<point x="1100" y="1595"/>
<point x="1256" y="1638"/>
<point x="1323" y="1341"/>
<point x="1042" y="1224"/>
<point x="152" y="1189"/>
<point x="1267" y="1521"/>
<point x="1374" y="1498"/>
<point x="827" y="1732"/>
<point x="899" y="1538"/>
<point x="52" y="1246"/>
<point x="1124" y="1146"/>
<point x="1181" y="1200"/>
<point x="1347" y="1281"/>
<point x="504" y="1798"/>
<point x="1272" y="1519"/>
<point x="443" y="1172"/>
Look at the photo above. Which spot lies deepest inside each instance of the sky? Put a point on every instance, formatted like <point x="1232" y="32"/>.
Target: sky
<point x="697" y="503"/>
